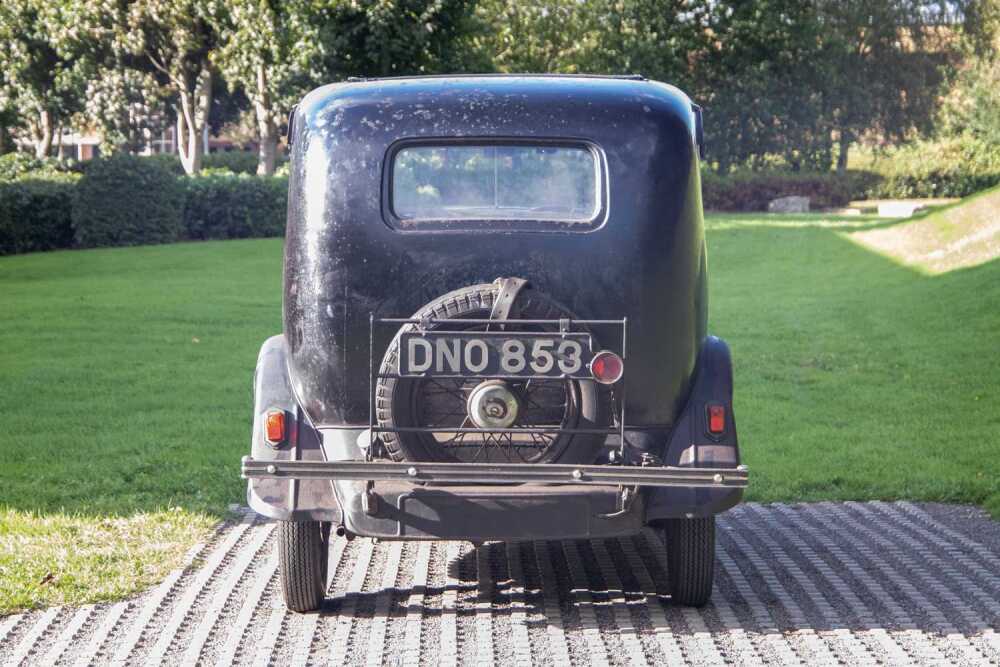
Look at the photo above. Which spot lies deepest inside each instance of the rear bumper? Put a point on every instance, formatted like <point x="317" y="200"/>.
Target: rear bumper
<point x="497" y="473"/>
<point x="485" y="501"/>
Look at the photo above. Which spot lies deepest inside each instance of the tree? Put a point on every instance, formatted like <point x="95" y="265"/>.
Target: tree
<point x="8" y="117"/>
<point x="42" y="75"/>
<point x="395" y="37"/>
<point x="660" y="39"/>
<point x="886" y="63"/>
<point x="277" y="50"/>
<point x="551" y="36"/>
<point x="273" y="51"/>
<point x="175" y="39"/>
<point x="972" y="107"/>
<point x="123" y="101"/>
<point x="759" y="80"/>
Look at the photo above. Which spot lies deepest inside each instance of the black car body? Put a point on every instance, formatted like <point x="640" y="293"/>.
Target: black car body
<point x="450" y="238"/>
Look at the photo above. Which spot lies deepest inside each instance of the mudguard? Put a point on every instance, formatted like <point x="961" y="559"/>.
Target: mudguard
<point x="286" y="499"/>
<point x="690" y="443"/>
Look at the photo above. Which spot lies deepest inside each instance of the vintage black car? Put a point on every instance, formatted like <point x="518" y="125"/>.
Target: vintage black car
<point x="494" y="324"/>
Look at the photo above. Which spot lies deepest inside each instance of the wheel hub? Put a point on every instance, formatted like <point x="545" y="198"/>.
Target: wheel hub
<point x="493" y="405"/>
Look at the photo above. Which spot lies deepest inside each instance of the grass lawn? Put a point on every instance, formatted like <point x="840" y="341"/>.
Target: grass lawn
<point x="125" y="389"/>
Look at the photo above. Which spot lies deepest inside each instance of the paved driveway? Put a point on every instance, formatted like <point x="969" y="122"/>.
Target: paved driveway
<point x="826" y="583"/>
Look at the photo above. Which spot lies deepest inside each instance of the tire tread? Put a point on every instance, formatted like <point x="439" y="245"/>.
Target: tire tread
<point x="691" y="559"/>
<point x="301" y="563"/>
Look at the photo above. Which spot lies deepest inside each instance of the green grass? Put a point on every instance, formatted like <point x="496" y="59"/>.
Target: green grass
<point x="857" y="377"/>
<point x="125" y="388"/>
<point x="125" y="395"/>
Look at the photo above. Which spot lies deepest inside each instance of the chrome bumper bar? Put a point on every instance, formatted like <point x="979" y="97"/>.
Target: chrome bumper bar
<point x="495" y="473"/>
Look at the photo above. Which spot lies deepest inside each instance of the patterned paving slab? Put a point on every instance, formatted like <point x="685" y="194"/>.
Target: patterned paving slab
<point x="825" y="583"/>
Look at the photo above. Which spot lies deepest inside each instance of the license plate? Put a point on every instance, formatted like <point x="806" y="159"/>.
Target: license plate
<point x="495" y="354"/>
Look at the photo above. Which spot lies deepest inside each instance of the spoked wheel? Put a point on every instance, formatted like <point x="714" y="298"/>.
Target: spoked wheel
<point x="447" y="403"/>
<point x="463" y="403"/>
<point x="690" y="559"/>
<point x="303" y="553"/>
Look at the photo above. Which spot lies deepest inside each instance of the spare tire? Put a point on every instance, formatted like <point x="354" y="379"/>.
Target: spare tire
<point x="440" y="402"/>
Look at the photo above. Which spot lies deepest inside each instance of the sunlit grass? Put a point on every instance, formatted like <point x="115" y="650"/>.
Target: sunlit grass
<point x="58" y="558"/>
<point x="958" y="236"/>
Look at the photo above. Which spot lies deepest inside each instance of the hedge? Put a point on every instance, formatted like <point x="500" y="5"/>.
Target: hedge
<point x="127" y="200"/>
<point x="232" y="206"/>
<point x="238" y="162"/>
<point x="751" y="191"/>
<point x="35" y="214"/>
<point x="130" y="200"/>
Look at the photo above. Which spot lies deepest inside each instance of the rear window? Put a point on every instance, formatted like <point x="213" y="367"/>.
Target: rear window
<point x="559" y="184"/>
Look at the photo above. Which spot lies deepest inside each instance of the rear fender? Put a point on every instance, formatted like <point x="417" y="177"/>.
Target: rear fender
<point x="691" y="445"/>
<point x="286" y="499"/>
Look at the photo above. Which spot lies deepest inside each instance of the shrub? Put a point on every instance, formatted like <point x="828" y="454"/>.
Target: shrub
<point x="952" y="167"/>
<point x="35" y="214"/>
<point x="238" y="162"/>
<point x="167" y="160"/>
<point x="228" y="206"/>
<point x="127" y="200"/>
<point x="751" y="191"/>
<point x="19" y="165"/>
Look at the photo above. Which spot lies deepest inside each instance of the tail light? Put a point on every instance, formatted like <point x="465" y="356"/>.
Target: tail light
<point x="716" y="418"/>
<point x="607" y="367"/>
<point x="274" y="426"/>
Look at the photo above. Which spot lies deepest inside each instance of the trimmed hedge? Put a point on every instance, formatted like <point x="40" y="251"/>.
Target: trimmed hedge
<point x="238" y="162"/>
<point x="233" y="206"/>
<point x="127" y="200"/>
<point x="751" y="191"/>
<point x="35" y="215"/>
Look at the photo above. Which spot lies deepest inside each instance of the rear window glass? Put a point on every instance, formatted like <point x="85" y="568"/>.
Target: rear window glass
<point x="502" y="182"/>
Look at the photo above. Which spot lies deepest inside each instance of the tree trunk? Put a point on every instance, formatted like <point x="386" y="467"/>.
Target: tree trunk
<point x="43" y="137"/>
<point x="192" y="117"/>
<point x="845" y="145"/>
<point x="268" y="152"/>
<point x="267" y="129"/>
<point x="60" y="149"/>
<point x="3" y="139"/>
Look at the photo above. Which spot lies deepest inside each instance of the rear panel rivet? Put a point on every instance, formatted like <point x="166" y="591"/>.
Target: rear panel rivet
<point x="577" y="474"/>
<point x="718" y="479"/>
<point x="271" y="469"/>
<point x="411" y="471"/>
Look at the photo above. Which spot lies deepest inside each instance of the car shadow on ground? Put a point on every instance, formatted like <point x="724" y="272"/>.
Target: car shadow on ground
<point x="816" y="568"/>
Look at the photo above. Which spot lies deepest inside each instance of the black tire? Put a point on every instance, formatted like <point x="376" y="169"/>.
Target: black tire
<point x="395" y="398"/>
<point x="303" y="551"/>
<point x="690" y="559"/>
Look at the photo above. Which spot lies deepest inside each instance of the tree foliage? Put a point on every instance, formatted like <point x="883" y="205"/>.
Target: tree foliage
<point x="42" y="73"/>
<point x="272" y="51"/>
<point x="276" y="51"/>
<point x="792" y="81"/>
<point x="174" y="40"/>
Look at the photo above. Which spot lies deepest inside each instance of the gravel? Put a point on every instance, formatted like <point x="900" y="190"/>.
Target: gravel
<point x="861" y="583"/>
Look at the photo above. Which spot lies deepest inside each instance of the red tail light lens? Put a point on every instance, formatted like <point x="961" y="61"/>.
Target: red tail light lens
<point x="274" y="426"/>
<point x="716" y="419"/>
<point x="607" y="367"/>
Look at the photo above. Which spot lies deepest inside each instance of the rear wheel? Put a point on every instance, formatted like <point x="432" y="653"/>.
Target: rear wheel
<point x="690" y="559"/>
<point x="303" y="549"/>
